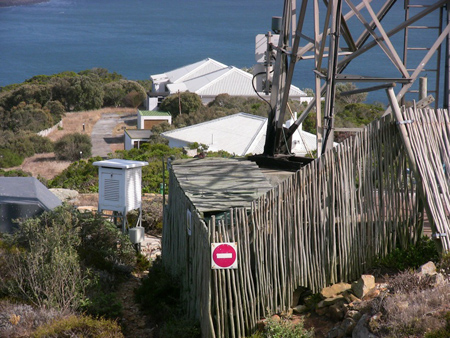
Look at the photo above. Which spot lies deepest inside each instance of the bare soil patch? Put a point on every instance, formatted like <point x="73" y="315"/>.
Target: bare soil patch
<point x="43" y="165"/>
<point x="73" y="122"/>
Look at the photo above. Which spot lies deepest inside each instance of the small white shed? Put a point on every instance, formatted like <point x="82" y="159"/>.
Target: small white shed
<point x="120" y="186"/>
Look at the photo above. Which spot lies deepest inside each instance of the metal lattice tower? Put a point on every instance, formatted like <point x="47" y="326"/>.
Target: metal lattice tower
<point x="335" y="43"/>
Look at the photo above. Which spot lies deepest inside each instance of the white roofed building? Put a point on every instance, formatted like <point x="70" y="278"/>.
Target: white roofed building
<point x="207" y="78"/>
<point x="240" y="134"/>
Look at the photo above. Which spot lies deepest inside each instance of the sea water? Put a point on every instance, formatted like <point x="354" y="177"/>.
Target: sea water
<point x="138" y="38"/>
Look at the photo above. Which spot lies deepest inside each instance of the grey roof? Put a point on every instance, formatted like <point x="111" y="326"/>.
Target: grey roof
<point x="27" y="190"/>
<point x="139" y="133"/>
<point x="23" y="197"/>
<point x="217" y="184"/>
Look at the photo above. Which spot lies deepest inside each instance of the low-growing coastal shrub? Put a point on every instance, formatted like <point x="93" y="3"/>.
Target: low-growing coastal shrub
<point x="79" y="326"/>
<point x="414" y="256"/>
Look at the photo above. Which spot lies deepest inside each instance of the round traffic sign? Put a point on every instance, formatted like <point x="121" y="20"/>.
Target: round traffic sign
<point x="224" y="255"/>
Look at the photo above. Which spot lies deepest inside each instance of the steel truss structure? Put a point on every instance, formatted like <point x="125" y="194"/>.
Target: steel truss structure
<point x="335" y="46"/>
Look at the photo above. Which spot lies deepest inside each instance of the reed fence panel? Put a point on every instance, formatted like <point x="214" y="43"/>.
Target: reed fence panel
<point x="429" y="133"/>
<point x="324" y="224"/>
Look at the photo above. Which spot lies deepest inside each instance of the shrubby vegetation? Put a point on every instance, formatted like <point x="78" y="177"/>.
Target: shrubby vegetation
<point x="193" y="112"/>
<point x="14" y="173"/>
<point x="15" y="146"/>
<point x="80" y="326"/>
<point x="411" y="257"/>
<point x="39" y="102"/>
<point x="83" y="175"/>
<point x="154" y="154"/>
<point x="350" y="111"/>
<point x="152" y="215"/>
<point x="70" y="262"/>
<point x="283" y="328"/>
<point x="73" y="147"/>
<point x="159" y="295"/>
<point x="80" y="175"/>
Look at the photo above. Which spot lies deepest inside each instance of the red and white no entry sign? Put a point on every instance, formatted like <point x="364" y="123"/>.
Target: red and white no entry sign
<point x="224" y="255"/>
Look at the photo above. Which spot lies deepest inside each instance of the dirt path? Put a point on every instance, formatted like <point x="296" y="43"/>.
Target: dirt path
<point x="135" y="323"/>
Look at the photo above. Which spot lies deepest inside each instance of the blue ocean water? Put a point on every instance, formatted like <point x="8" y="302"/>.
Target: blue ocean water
<point x="137" y="38"/>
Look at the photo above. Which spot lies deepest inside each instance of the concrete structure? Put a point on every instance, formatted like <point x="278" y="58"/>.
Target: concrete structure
<point x="208" y="78"/>
<point x="21" y="198"/>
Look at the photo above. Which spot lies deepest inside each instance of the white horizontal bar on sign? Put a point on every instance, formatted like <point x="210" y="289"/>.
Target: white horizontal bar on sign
<point x="224" y="255"/>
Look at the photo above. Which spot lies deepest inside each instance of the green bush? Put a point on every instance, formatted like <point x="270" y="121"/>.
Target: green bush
<point x="73" y="147"/>
<point x="103" y="246"/>
<point x="414" y="256"/>
<point x="142" y="263"/>
<point x="81" y="176"/>
<point x="101" y="304"/>
<point x="9" y="159"/>
<point x="79" y="326"/>
<point x="14" y="173"/>
<point x="444" y="264"/>
<point x="159" y="293"/>
<point x="66" y="260"/>
<point x="284" y="328"/>
<point x="41" y="144"/>
<point x="46" y="269"/>
<point x="180" y="328"/>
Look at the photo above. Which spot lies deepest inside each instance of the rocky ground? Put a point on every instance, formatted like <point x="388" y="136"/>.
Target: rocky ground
<point x="414" y="302"/>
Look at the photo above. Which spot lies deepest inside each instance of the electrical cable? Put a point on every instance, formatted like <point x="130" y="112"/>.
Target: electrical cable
<point x="254" y="88"/>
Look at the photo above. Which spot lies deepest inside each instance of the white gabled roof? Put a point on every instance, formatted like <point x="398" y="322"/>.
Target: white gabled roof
<point x="211" y="78"/>
<point x="238" y="134"/>
<point x="194" y="70"/>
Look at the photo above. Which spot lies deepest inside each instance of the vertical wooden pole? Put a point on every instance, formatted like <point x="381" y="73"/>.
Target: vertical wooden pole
<point x="404" y="136"/>
<point x="423" y="88"/>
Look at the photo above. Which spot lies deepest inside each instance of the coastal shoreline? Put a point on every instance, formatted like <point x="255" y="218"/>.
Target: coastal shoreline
<point x="10" y="3"/>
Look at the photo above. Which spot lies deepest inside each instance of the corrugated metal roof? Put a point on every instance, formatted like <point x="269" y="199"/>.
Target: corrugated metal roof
<point x="211" y="78"/>
<point x="218" y="184"/>
<point x="153" y="113"/>
<point x="232" y="81"/>
<point x="194" y="70"/>
<point x="237" y="134"/>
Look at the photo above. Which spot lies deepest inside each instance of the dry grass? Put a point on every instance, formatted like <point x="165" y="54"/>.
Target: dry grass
<point x="87" y="200"/>
<point x="413" y="309"/>
<point x="20" y="320"/>
<point x="73" y="122"/>
<point x="43" y="165"/>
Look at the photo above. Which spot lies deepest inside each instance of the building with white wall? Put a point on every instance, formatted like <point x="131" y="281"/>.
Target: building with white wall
<point x="209" y="78"/>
